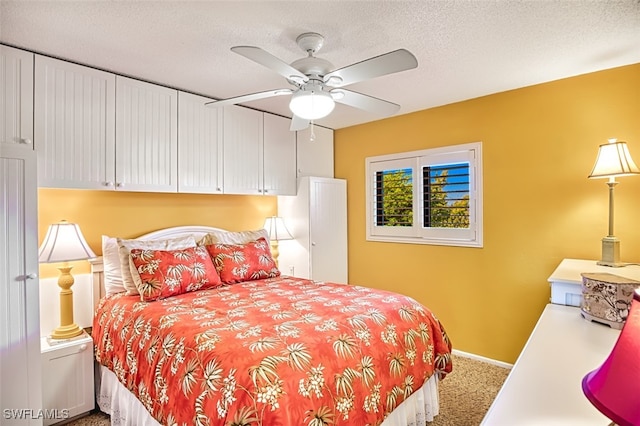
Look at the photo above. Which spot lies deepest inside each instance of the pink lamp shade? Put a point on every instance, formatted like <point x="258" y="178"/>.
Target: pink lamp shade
<point x="614" y="387"/>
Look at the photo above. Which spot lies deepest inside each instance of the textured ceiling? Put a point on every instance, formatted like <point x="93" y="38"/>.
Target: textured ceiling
<point x="465" y="49"/>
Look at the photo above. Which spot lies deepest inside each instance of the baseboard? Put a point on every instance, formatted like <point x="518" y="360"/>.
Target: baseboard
<point x="482" y="358"/>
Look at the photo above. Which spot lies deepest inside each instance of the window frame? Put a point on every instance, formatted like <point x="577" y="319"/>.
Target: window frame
<point x="416" y="160"/>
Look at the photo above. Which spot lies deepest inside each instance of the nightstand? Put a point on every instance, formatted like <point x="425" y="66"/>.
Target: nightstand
<point x="566" y="280"/>
<point x="67" y="378"/>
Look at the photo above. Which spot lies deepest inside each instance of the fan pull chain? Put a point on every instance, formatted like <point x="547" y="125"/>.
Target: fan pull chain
<point x="312" y="138"/>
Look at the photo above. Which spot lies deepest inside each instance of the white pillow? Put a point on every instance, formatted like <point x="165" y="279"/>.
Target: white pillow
<point x="240" y="237"/>
<point x="125" y="247"/>
<point x="112" y="270"/>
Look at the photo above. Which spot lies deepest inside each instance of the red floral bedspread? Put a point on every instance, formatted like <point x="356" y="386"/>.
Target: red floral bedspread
<point x="281" y="351"/>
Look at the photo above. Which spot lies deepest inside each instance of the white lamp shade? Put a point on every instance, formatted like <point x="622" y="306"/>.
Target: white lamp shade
<point x="614" y="159"/>
<point x="311" y="104"/>
<point x="276" y="229"/>
<point x="64" y="242"/>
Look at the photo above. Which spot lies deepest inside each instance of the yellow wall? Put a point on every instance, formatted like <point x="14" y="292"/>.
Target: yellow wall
<point x="539" y="144"/>
<point x="131" y="214"/>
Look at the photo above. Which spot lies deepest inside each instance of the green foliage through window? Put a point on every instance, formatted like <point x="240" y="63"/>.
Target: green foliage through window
<point x="394" y="198"/>
<point x="446" y="196"/>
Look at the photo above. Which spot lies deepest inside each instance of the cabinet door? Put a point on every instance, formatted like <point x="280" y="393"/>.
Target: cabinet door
<point x="74" y="125"/>
<point x="16" y="97"/>
<point x="20" y="383"/>
<point x="279" y="156"/>
<point x="146" y="136"/>
<point x="328" y="229"/>
<point x="199" y="145"/>
<point x="243" y="154"/>
<point x="315" y="154"/>
<point x="67" y="379"/>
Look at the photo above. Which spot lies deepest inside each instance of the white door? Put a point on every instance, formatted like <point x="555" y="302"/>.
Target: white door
<point x="279" y="156"/>
<point x="328" y="229"/>
<point x="16" y="97"/>
<point x="74" y="125"/>
<point x="199" y="145"/>
<point x="243" y="154"/>
<point x="20" y="368"/>
<point x="146" y="136"/>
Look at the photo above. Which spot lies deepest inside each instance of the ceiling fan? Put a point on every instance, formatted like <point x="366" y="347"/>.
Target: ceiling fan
<point x="316" y="86"/>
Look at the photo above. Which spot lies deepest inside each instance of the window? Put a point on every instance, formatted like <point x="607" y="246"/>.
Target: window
<point x="433" y="196"/>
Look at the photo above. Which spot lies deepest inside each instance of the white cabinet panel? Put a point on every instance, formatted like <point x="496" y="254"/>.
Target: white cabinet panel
<point x="199" y="145"/>
<point x="315" y="154"/>
<point x="67" y="378"/>
<point x="146" y="136"/>
<point x="279" y="156"/>
<point x="317" y="219"/>
<point x="20" y="383"/>
<point x="243" y="154"/>
<point x="75" y="121"/>
<point x="259" y="153"/>
<point x="16" y="97"/>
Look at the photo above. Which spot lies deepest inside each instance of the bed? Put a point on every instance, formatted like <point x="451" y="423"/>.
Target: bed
<point x="259" y="348"/>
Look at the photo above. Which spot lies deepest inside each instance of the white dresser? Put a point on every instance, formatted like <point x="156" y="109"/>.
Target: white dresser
<point x="566" y="281"/>
<point x="545" y="385"/>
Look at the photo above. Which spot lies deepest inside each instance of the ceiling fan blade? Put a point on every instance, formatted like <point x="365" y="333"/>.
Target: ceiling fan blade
<point x="249" y="97"/>
<point x="365" y="102"/>
<point x="298" y="123"/>
<point x="388" y="63"/>
<point x="265" y="58"/>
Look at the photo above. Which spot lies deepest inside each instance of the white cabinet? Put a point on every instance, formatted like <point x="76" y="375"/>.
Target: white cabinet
<point x="243" y="156"/>
<point x="199" y="145"/>
<point x="279" y="156"/>
<point x="259" y="153"/>
<point x="566" y="279"/>
<point x="75" y="123"/>
<point x="67" y="378"/>
<point x="317" y="219"/>
<point x="315" y="152"/>
<point x="16" y="97"/>
<point x="20" y="374"/>
<point x="146" y="136"/>
<point x="96" y="130"/>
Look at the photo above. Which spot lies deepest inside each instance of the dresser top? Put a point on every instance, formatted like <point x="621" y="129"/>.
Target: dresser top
<point x="545" y="384"/>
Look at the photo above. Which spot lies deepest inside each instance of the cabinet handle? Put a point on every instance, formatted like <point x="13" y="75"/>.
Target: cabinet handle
<point x="107" y="183"/>
<point x="25" y="141"/>
<point x="266" y="190"/>
<point x="82" y="347"/>
<point x="260" y="191"/>
<point x="119" y="185"/>
<point x="32" y="276"/>
<point x="219" y="189"/>
<point x="313" y="243"/>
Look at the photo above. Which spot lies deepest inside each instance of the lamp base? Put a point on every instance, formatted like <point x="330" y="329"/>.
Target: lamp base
<point x="611" y="253"/>
<point x="66" y="331"/>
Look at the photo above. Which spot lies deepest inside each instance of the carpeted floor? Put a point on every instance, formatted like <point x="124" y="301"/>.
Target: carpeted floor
<point x="465" y="394"/>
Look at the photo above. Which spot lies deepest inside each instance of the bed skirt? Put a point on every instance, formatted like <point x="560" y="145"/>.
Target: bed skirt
<point x="126" y="410"/>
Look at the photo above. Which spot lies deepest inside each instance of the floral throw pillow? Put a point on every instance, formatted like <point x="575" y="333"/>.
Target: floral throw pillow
<point x="243" y="262"/>
<point x="163" y="273"/>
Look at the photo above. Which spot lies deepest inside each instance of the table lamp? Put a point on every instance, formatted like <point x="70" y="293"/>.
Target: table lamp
<point x="614" y="387"/>
<point x="613" y="160"/>
<point x="277" y="232"/>
<point x="64" y="243"/>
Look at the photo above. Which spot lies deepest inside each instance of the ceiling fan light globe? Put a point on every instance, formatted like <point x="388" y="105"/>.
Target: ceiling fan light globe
<point x="311" y="105"/>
